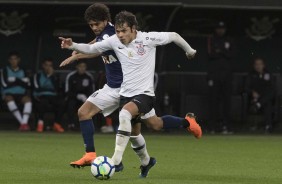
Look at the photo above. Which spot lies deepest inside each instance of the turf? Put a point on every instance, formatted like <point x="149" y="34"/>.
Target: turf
<point x="44" y="158"/>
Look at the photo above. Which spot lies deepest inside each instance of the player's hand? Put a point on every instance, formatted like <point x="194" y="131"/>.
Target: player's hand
<point x="191" y="54"/>
<point x="69" y="60"/>
<point x="74" y="53"/>
<point x="66" y="42"/>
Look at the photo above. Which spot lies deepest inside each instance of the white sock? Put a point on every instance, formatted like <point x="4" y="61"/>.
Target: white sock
<point x="26" y="112"/>
<point x="123" y="135"/>
<point x="138" y="144"/>
<point x="14" y="109"/>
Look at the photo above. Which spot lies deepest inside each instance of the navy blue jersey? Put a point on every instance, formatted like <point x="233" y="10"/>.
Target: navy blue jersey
<point x="112" y="64"/>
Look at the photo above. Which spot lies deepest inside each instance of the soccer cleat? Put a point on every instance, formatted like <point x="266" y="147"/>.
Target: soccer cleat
<point x="145" y="169"/>
<point x="194" y="127"/>
<point x="86" y="160"/>
<point x="58" y="128"/>
<point x="119" y="167"/>
<point x="40" y="126"/>
<point x="24" y="127"/>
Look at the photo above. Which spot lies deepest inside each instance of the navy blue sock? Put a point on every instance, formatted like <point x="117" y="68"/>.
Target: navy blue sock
<point x="174" y="122"/>
<point x="87" y="130"/>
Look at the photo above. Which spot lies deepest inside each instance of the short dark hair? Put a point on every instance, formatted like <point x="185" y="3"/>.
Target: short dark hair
<point x="80" y="62"/>
<point x="97" y="12"/>
<point x="126" y="17"/>
<point x="258" y="58"/>
<point x="14" y="53"/>
<point x="49" y="59"/>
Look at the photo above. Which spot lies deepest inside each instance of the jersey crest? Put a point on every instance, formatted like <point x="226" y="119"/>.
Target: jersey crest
<point x="141" y="51"/>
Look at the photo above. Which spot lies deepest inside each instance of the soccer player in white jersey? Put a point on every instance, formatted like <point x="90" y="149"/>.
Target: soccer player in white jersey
<point x="136" y="52"/>
<point x="105" y="100"/>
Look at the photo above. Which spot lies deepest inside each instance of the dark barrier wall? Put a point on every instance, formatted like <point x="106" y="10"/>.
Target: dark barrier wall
<point x="255" y="33"/>
<point x="33" y="31"/>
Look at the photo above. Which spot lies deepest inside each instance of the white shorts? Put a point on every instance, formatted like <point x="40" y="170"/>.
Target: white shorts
<point x="106" y="99"/>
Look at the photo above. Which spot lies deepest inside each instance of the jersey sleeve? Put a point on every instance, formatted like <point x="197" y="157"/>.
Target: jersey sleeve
<point x="96" y="48"/>
<point x="157" y="38"/>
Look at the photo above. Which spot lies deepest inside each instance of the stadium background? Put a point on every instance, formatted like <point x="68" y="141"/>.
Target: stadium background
<point x="40" y="23"/>
<point x="32" y="158"/>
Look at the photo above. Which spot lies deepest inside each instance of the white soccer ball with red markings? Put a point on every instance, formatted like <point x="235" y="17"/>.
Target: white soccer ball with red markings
<point x="103" y="168"/>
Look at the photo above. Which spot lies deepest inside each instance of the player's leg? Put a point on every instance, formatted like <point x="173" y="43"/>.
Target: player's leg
<point x="13" y="108"/>
<point x="128" y="111"/>
<point x="170" y="122"/>
<point x="115" y="118"/>
<point x="105" y="100"/>
<point x="133" y="106"/>
<point x="138" y="144"/>
<point x="85" y="114"/>
<point x="26" y="101"/>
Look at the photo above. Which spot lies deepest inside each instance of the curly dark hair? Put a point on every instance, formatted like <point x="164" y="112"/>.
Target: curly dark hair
<point x="126" y="17"/>
<point x="97" y="12"/>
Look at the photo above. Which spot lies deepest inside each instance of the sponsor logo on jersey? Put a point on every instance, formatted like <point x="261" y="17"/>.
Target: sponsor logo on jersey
<point x="139" y="42"/>
<point x="155" y="39"/>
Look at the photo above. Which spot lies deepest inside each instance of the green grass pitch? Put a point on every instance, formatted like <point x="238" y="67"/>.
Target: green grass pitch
<point x="28" y="158"/>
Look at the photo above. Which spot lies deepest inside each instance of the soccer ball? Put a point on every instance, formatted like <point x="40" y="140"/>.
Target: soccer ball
<point x="103" y="168"/>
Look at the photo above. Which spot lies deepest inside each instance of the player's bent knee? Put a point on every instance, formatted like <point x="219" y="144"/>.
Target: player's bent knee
<point x="124" y="116"/>
<point x="154" y="123"/>
<point x="87" y="111"/>
<point x="156" y="127"/>
<point x="83" y="114"/>
<point x="125" y="120"/>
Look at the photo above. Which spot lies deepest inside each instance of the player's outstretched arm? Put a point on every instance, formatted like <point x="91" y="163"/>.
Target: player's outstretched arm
<point x="92" y="42"/>
<point x="178" y="40"/>
<point x="96" y="48"/>
<point x="76" y="57"/>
